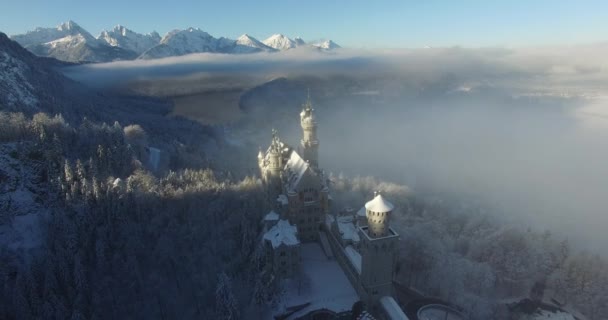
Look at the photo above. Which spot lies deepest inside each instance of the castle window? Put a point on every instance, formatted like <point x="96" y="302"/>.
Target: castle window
<point x="282" y="254"/>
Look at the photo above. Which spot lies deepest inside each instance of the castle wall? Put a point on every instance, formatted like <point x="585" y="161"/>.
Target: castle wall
<point x="349" y="269"/>
<point x="305" y="207"/>
<point x="379" y="257"/>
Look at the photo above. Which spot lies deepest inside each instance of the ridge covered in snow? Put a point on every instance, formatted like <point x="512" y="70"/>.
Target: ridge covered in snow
<point x="125" y="38"/>
<point x="70" y="42"/>
<point x="180" y="42"/>
<point x="44" y="35"/>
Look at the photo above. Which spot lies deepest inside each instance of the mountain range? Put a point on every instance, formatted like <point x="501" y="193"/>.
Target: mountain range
<point x="70" y="42"/>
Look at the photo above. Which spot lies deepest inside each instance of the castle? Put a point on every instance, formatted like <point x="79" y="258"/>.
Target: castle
<point x="362" y="242"/>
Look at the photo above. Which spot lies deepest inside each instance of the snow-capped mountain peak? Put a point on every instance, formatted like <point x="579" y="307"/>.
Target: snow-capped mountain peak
<point x="326" y="45"/>
<point x="45" y="35"/>
<point x="122" y="37"/>
<point x="68" y="25"/>
<point x="247" y="40"/>
<point x="299" y="41"/>
<point x="280" y="42"/>
<point x="180" y="42"/>
<point x="249" y="44"/>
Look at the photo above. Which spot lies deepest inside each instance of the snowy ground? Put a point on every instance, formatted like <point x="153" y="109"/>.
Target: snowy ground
<point x="321" y="283"/>
<point x="25" y="232"/>
<point x="438" y="314"/>
<point x="23" y="212"/>
<point x="548" y="315"/>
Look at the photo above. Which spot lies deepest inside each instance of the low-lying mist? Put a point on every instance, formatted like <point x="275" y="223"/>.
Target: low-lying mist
<point x="523" y="131"/>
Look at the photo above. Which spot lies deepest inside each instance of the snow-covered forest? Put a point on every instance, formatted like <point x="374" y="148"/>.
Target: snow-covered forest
<point x="458" y="252"/>
<point x="118" y="239"/>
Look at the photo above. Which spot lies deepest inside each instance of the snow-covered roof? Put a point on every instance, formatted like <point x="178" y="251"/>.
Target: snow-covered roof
<point x="347" y="228"/>
<point x="379" y="204"/>
<point x="282" y="233"/>
<point x="283" y="199"/>
<point x="441" y="312"/>
<point x="271" y="216"/>
<point x="361" y="212"/>
<point x="296" y="166"/>
<point x="365" y="316"/>
<point x="354" y="257"/>
<point x="392" y="309"/>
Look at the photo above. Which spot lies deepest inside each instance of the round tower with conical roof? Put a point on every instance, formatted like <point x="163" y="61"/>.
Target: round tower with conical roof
<point x="379" y="245"/>
<point x="378" y="212"/>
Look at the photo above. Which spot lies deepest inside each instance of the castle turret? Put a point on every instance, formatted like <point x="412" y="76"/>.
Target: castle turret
<point x="309" y="144"/>
<point x="378" y="212"/>
<point x="261" y="160"/>
<point x="378" y="250"/>
<point x="274" y="167"/>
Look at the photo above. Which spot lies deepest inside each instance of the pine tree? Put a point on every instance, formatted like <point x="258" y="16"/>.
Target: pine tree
<point x="68" y="174"/>
<point x="81" y="173"/>
<point x="226" y="306"/>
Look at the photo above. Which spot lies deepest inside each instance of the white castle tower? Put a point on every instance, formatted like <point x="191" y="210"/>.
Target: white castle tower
<point x="378" y="249"/>
<point x="272" y="166"/>
<point x="309" y="145"/>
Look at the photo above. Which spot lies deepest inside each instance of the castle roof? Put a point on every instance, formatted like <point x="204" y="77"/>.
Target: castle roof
<point x="282" y="233"/>
<point x="347" y="228"/>
<point x="296" y="167"/>
<point x="271" y="216"/>
<point x="361" y="212"/>
<point x="379" y="204"/>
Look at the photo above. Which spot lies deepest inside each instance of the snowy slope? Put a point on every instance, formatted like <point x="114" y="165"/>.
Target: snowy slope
<point x="15" y="89"/>
<point x="280" y="42"/>
<point x="127" y="39"/>
<point x="20" y="75"/>
<point x="31" y="84"/>
<point x="23" y="202"/>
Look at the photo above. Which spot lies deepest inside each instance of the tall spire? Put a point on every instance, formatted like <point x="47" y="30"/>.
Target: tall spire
<point x="308" y="103"/>
<point x="309" y="143"/>
<point x="307" y="106"/>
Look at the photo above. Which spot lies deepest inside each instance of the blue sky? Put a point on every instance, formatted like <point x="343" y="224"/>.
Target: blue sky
<point x="371" y="24"/>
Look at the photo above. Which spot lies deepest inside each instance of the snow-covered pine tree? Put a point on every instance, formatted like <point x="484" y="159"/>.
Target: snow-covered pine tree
<point x="226" y="305"/>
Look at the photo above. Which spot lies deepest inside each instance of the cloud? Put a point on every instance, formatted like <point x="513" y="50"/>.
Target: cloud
<point x="523" y="130"/>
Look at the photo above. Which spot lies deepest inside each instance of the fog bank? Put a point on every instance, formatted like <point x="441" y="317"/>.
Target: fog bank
<point x="524" y="131"/>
